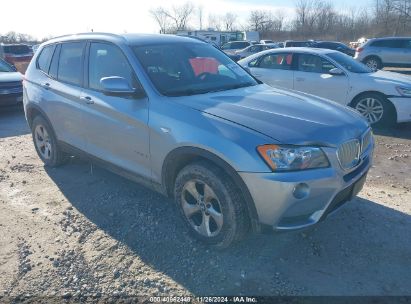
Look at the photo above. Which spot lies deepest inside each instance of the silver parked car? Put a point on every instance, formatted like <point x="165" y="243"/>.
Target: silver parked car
<point x="253" y="49"/>
<point x="379" y="52"/>
<point x="181" y="117"/>
<point x="231" y="47"/>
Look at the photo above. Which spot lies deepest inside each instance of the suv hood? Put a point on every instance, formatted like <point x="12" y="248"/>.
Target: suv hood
<point x="285" y="116"/>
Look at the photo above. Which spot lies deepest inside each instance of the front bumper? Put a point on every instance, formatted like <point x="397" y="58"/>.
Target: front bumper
<point x="11" y="99"/>
<point x="295" y="200"/>
<point x="403" y="108"/>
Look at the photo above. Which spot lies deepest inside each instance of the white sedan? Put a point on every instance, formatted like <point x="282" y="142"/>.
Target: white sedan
<point x="382" y="97"/>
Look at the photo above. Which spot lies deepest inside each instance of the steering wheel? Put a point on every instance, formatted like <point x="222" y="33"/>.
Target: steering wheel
<point x="203" y="75"/>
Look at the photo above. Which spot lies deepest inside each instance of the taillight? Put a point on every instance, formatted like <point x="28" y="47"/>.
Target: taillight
<point x="359" y="49"/>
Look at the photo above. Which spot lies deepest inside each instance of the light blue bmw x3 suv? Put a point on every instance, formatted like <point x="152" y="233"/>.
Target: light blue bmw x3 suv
<point x="179" y="116"/>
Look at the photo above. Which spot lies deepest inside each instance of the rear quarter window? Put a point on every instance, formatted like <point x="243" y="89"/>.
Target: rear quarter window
<point x="44" y="59"/>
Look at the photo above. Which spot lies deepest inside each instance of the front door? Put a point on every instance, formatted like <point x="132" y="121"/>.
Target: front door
<point x="116" y="125"/>
<point x="274" y="69"/>
<point x="312" y="76"/>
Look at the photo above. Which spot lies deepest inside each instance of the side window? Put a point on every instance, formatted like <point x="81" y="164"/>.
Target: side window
<point x="408" y="44"/>
<point x="226" y="46"/>
<point x="313" y="64"/>
<point x="393" y="44"/>
<point x="107" y="60"/>
<point x="70" y="64"/>
<point x="44" y="59"/>
<point x="276" y="61"/>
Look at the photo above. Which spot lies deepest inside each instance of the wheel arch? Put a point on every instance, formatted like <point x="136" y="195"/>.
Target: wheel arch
<point x="359" y="95"/>
<point x="183" y="156"/>
<point x="32" y="111"/>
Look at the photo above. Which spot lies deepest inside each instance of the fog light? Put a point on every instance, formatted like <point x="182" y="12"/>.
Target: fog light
<point x="301" y="191"/>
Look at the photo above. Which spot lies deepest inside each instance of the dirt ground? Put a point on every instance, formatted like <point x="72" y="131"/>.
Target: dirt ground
<point x="80" y="230"/>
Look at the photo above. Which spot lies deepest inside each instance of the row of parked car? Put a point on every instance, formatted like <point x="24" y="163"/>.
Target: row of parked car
<point x="336" y="72"/>
<point x="247" y="48"/>
<point x="376" y="53"/>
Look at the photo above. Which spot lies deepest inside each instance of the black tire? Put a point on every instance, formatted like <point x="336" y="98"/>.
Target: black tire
<point x="236" y="222"/>
<point x="374" y="63"/>
<point x="388" y="118"/>
<point x="56" y="157"/>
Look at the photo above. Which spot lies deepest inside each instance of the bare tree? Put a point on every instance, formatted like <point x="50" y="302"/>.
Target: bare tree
<point x="200" y="11"/>
<point x="215" y="22"/>
<point x="161" y="16"/>
<point x="229" y="21"/>
<point x="257" y="19"/>
<point x="180" y="15"/>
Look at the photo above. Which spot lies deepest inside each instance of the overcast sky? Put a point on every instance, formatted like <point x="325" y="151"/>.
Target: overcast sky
<point x="44" y="18"/>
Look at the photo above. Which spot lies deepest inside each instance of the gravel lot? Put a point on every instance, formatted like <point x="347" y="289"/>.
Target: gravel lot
<point x="80" y="230"/>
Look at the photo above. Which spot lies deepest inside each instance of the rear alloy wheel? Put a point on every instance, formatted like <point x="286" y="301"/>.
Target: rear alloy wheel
<point x="373" y="63"/>
<point x="45" y="143"/>
<point x="211" y="205"/>
<point x="375" y="109"/>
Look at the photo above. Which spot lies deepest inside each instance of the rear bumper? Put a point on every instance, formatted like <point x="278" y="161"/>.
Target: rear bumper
<point x="403" y="108"/>
<point x="296" y="200"/>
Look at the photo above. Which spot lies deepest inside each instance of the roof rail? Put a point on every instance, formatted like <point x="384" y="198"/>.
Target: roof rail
<point x="88" y="33"/>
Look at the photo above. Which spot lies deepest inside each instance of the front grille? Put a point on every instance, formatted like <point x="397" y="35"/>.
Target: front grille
<point x="14" y="87"/>
<point x="349" y="154"/>
<point x="11" y="91"/>
<point x="366" y="140"/>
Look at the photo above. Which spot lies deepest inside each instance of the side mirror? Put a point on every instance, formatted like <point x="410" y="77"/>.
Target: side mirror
<point x="336" y="72"/>
<point x="115" y="85"/>
<point x="14" y="68"/>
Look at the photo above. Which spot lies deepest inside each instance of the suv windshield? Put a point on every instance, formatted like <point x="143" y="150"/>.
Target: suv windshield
<point x="349" y="63"/>
<point x="5" y="67"/>
<point x="183" y="69"/>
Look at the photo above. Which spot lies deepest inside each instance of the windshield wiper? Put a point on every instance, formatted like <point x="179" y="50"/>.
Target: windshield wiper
<point x="189" y="92"/>
<point x="233" y="87"/>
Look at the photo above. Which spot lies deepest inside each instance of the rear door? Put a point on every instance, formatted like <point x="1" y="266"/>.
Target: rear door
<point x="274" y="69"/>
<point x="312" y="77"/>
<point x="116" y="126"/>
<point x="61" y="92"/>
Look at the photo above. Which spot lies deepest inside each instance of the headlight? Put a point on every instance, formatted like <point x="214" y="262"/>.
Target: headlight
<point x="292" y="158"/>
<point x="404" y="91"/>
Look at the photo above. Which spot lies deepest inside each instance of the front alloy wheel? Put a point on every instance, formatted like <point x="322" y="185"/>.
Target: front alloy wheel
<point x="371" y="108"/>
<point x="202" y="208"/>
<point x="378" y="111"/>
<point x="211" y="205"/>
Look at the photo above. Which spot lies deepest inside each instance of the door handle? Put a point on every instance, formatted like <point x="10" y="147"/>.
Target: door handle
<point x="300" y="79"/>
<point x="46" y="85"/>
<point x="87" y="99"/>
<point x="257" y="75"/>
